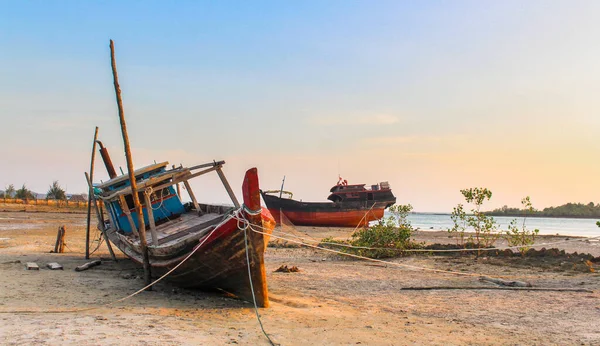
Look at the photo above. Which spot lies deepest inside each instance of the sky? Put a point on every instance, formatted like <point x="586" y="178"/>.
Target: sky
<point x="431" y="96"/>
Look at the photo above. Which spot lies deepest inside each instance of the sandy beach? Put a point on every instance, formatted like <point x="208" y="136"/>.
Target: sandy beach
<point x="331" y="301"/>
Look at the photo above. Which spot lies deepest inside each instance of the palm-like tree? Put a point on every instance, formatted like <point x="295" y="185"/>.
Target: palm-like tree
<point x="9" y="191"/>
<point x="24" y="193"/>
<point x="56" y="192"/>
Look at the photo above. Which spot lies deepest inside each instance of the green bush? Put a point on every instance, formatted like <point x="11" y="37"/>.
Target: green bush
<point x="523" y="237"/>
<point x="383" y="239"/>
<point x="484" y="227"/>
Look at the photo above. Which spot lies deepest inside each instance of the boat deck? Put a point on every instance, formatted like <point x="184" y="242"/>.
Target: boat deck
<point x="186" y="224"/>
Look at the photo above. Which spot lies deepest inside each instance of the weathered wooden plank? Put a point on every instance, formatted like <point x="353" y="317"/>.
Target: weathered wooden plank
<point x="187" y="222"/>
<point x="32" y="266"/>
<point x="54" y="266"/>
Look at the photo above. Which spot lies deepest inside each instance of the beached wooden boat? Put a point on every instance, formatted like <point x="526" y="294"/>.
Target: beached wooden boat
<point x="348" y="206"/>
<point x="212" y="236"/>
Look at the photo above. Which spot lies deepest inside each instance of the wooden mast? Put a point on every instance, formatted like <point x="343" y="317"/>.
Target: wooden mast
<point x="134" y="193"/>
<point x="90" y="194"/>
<point x="281" y="190"/>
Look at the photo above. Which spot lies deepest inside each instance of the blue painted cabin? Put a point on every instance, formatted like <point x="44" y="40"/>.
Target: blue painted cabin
<point x="165" y="203"/>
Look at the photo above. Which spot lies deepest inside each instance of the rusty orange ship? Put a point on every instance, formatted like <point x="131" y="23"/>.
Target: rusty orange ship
<point x="348" y="206"/>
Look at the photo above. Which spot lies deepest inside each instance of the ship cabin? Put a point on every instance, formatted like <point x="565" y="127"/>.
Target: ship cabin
<point x="165" y="202"/>
<point x="165" y="215"/>
<point x="358" y="192"/>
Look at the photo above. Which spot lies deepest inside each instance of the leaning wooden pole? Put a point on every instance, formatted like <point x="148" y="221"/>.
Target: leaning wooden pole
<point x="101" y="226"/>
<point x="136" y="199"/>
<point x="90" y="194"/>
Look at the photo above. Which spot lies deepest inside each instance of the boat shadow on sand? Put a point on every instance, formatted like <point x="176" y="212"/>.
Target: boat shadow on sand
<point x="111" y="281"/>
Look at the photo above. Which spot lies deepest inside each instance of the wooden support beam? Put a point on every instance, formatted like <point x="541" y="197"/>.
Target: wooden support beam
<point x="227" y="187"/>
<point x="210" y="164"/>
<point x="151" y="219"/>
<point x="191" y="193"/>
<point x="202" y="172"/>
<point x="184" y="177"/>
<point x="90" y="194"/>
<point x="136" y="199"/>
<point x="127" y="213"/>
<point x="101" y="221"/>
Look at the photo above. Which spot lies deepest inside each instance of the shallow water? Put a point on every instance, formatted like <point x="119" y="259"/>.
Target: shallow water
<point x="546" y="225"/>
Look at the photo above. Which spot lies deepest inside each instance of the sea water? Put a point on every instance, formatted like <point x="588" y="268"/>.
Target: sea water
<point x="546" y="225"/>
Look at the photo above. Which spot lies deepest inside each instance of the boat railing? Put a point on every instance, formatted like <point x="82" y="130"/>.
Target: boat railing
<point x="290" y="194"/>
<point x="172" y="177"/>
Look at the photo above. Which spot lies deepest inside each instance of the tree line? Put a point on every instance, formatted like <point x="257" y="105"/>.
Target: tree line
<point x="577" y="210"/>
<point x="55" y="191"/>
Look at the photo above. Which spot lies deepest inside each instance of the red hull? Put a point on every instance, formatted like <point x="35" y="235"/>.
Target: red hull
<point x="349" y="218"/>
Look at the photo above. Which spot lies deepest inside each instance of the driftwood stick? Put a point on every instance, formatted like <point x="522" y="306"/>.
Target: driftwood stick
<point x="544" y="289"/>
<point x="61" y="243"/>
<point x="506" y="282"/>
<point x="88" y="265"/>
<point x="90" y="195"/>
<point x="131" y="171"/>
<point x="59" y="235"/>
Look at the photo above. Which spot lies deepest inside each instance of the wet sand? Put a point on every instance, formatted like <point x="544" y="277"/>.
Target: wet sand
<point x="331" y="301"/>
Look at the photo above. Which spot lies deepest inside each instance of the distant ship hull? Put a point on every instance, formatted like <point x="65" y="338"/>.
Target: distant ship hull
<point x="327" y="214"/>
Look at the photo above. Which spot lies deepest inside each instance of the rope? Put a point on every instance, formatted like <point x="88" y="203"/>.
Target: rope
<point x="359" y="222"/>
<point x="148" y="191"/>
<point x="362" y="257"/>
<point x="443" y="250"/>
<point x="250" y="211"/>
<point x="288" y="223"/>
<point x="100" y="240"/>
<point x="376" y="260"/>
<point x="247" y="224"/>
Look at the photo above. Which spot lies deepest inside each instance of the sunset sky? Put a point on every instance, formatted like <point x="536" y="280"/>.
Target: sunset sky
<point x="432" y="96"/>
